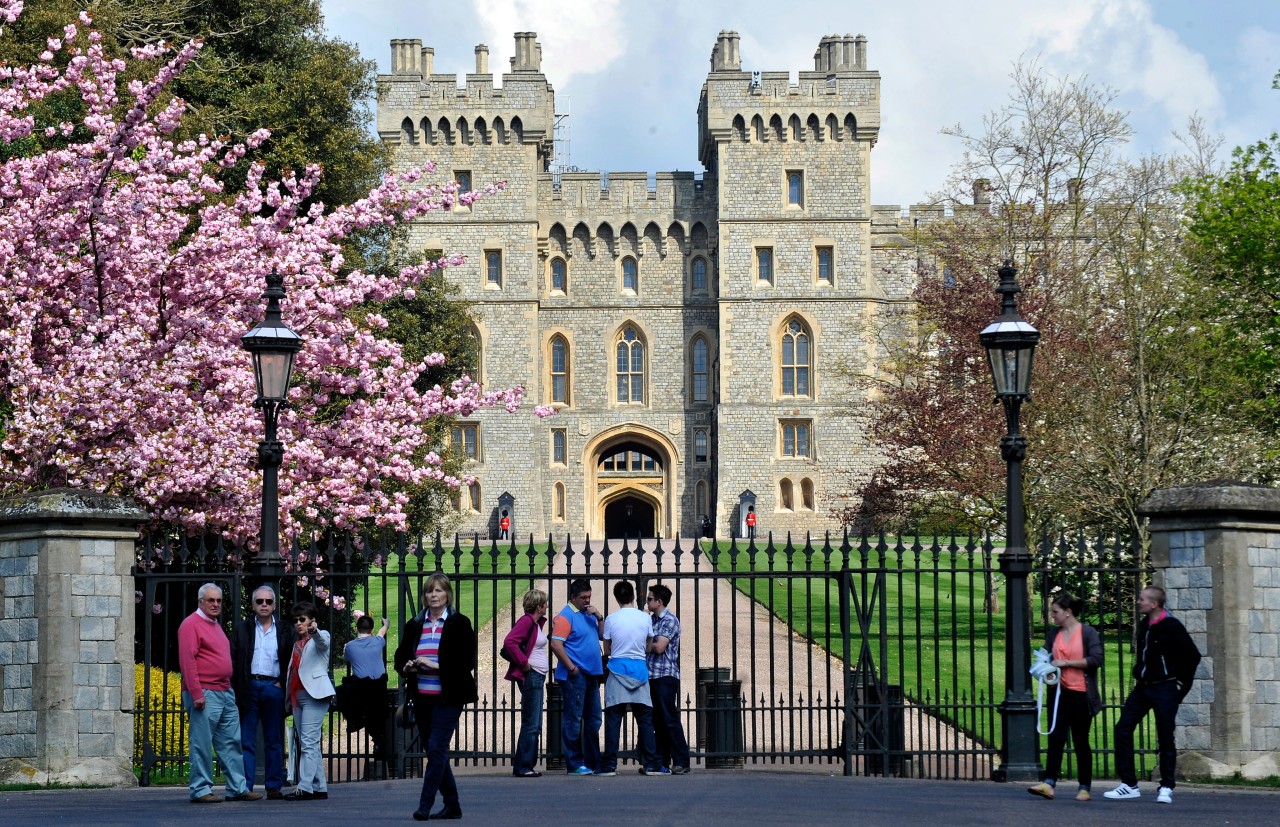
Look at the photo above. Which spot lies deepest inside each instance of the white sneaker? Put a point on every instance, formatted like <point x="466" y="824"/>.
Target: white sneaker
<point x="1124" y="792"/>
<point x="1164" y="796"/>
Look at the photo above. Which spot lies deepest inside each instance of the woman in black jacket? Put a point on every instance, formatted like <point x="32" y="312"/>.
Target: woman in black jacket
<point x="437" y="658"/>
<point x="1076" y="649"/>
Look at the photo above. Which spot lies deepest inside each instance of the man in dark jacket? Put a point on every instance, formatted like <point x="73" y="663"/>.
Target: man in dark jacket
<point x="1164" y="667"/>
<point x="260" y="652"/>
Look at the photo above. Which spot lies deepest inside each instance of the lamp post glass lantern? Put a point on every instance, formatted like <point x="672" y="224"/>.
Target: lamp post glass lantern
<point x="273" y="346"/>
<point x="1010" y="343"/>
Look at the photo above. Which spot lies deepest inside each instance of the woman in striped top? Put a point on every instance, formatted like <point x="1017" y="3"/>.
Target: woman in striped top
<point x="437" y="657"/>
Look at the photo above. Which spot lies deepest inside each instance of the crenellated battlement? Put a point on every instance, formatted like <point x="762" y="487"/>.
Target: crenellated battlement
<point x="416" y="105"/>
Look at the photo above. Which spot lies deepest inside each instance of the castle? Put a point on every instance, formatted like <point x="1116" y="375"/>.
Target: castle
<point x="690" y="332"/>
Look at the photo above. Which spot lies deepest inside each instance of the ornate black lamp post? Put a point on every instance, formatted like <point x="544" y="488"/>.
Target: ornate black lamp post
<point x="273" y="346"/>
<point x="1011" y="343"/>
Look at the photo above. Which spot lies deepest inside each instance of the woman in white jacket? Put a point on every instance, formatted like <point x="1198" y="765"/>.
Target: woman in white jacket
<point x="310" y="690"/>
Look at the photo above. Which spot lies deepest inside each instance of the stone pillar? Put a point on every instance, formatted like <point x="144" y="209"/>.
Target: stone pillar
<point x="1216" y="551"/>
<point x="66" y="638"/>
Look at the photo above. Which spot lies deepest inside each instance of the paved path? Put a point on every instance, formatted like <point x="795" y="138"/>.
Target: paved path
<point x="708" y="799"/>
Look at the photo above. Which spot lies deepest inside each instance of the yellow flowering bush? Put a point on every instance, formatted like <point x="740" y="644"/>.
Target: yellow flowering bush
<point x="167" y="721"/>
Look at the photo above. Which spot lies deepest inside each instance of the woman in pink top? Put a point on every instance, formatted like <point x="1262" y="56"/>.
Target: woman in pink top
<point x="1076" y="649"/>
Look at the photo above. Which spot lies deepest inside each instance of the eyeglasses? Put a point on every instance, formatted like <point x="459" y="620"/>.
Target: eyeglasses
<point x="212" y="599"/>
<point x="262" y="602"/>
<point x="302" y="620"/>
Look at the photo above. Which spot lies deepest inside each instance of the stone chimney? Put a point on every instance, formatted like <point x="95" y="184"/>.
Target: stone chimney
<point x="428" y="61"/>
<point x="860" y="51"/>
<point x="724" y="56"/>
<point x="482" y="59"/>
<point x="528" y="57"/>
<point x="982" y="194"/>
<point x="406" y="57"/>
<point x="1075" y="186"/>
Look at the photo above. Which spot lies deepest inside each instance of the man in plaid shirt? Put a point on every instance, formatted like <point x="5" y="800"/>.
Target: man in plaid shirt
<point x="664" y="682"/>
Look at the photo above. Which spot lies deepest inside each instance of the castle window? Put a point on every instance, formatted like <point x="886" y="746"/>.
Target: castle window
<point x="764" y="264"/>
<point x="795" y="188"/>
<point x="698" y="363"/>
<point x="463" y="179"/>
<point x="559" y="443"/>
<point x="794" y="434"/>
<point x="559" y="503"/>
<point x="559" y="370"/>
<point x="699" y="274"/>
<point x="825" y="262"/>
<point x="493" y="268"/>
<point x="700" y="445"/>
<point x="796" y="360"/>
<point x="473" y="334"/>
<point x="455" y="498"/>
<point x="630" y="366"/>
<point x="700" y="498"/>
<point x="806" y="494"/>
<point x="466" y="438"/>
<point x="559" y="276"/>
<point x="630" y="275"/>
<point x="473" y="497"/>
<point x="786" y="495"/>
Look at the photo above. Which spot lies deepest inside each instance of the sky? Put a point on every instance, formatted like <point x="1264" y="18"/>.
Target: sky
<point x="629" y="72"/>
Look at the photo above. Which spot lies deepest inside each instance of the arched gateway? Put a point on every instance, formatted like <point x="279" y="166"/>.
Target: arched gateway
<point x="630" y="483"/>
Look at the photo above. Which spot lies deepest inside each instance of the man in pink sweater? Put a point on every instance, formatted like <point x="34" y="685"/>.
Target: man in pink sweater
<point x="204" y="656"/>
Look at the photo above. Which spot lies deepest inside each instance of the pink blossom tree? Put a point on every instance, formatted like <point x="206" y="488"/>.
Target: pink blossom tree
<point x="128" y="275"/>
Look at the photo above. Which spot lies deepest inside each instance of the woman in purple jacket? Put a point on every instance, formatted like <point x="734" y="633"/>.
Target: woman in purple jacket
<point x="526" y="647"/>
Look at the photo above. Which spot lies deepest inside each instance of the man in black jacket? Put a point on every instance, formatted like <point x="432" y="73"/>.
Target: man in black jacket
<point x="260" y="652"/>
<point x="1165" y="666"/>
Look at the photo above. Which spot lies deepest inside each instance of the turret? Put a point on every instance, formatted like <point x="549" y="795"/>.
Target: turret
<point x="482" y="59"/>
<point x="724" y="55"/>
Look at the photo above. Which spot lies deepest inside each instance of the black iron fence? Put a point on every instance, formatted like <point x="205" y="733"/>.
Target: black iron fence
<point x="882" y="655"/>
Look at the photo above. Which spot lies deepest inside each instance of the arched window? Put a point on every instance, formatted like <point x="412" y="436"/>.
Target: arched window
<point x="559" y="275"/>
<point x="630" y="367"/>
<point x="698" y="364"/>
<point x="700" y="445"/>
<point x="559" y="502"/>
<point x="700" y="498"/>
<point x="473" y="497"/>
<point x="795" y="188"/>
<point x="559" y="370"/>
<point x="764" y="264"/>
<point x="826" y="272"/>
<point x="796" y="358"/>
<point x="559" y="446"/>
<point x="630" y="275"/>
<point x="786" y="498"/>
<point x="493" y="268"/>
<point x="473" y="333"/>
<point x="699" y="276"/>
<point x="806" y="493"/>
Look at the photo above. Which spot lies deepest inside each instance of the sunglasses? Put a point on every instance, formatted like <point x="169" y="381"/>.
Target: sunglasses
<point x="262" y="602"/>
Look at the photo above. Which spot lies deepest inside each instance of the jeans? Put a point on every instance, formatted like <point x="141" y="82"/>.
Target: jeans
<point x="531" y="691"/>
<point x="308" y="719"/>
<point x="1163" y="698"/>
<point x="265" y="704"/>
<point x="217" y="726"/>
<point x="644" y="741"/>
<point x="580" y="725"/>
<point x="1075" y="718"/>
<point x="673" y="749"/>
<point x="437" y="722"/>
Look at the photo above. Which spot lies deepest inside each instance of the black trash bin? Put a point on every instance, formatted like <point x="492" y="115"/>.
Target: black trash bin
<point x="885" y="731"/>
<point x="725" y="747"/>
<point x="554" y="759"/>
<point x="707" y="675"/>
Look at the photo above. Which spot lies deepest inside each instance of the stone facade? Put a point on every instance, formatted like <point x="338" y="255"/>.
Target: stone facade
<point x="66" y="638"/>
<point x="730" y="371"/>
<point x="1216" y="551"/>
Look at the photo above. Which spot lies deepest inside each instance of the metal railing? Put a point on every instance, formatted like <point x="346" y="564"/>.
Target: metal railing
<point x="883" y="655"/>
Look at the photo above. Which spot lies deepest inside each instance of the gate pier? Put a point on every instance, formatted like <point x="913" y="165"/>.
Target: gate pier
<point x="66" y="642"/>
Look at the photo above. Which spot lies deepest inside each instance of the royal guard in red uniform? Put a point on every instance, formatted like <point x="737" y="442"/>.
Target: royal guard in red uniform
<point x="505" y="525"/>
<point x="751" y="522"/>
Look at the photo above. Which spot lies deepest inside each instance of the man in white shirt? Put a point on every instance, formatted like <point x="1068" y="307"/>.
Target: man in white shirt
<point x="627" y="639"/>
<point x="260" y="651"/>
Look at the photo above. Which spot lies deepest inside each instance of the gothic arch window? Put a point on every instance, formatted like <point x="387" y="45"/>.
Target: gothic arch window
<point x="630" y="366"/>
<point x="559" y="370"/>
<point x="698" y="275"/>
<point x="406" y="132"/>
<point x="814" y="128"/>
<point x="630" y="275"/>
<point x="473" y="333"/>
<point x="758" y="133"/>
<point x="473" y="497"/>
<point x="559" y="275"/>
<point x="699" y="369"/>
<point x="851" y="126"/>
<point x="786" y="495"/>
<point x="558" y="498"/>
<point x="806" y="494"/>
<point x="776" y="130"/>
<point x="446" y="131"/>
<point x="428" y="131"/>
<point x="701" y="446"/>
<point x="796" y="130"/>
<point x="795" y="188"/>
<point x="797" y="359"/>
<point x="739" y="128"/>
<point x="833" y="128"/>
<point x="700" y="499"/>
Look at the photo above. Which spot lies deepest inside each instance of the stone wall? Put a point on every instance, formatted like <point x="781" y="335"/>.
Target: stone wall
<point x="66" y="639"/>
